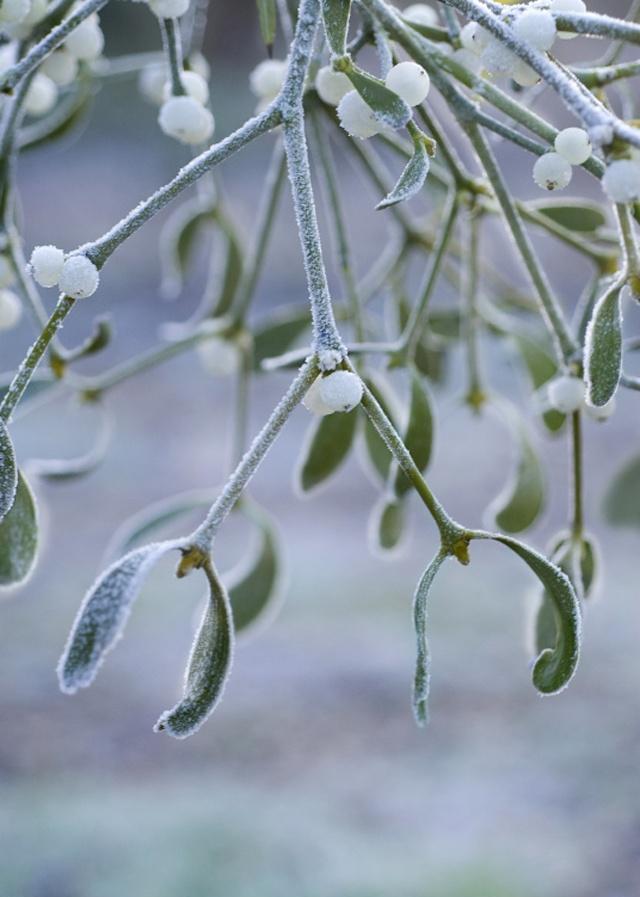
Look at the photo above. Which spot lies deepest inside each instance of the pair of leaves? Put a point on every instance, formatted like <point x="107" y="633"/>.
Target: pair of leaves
<point x="18" y="518"/>
<point x="603" y="348"/>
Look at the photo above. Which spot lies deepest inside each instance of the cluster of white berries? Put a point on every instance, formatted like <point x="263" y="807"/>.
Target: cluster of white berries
<point x="406" y="79"/>
<point x="74" y="275"/>
<point x="338" y="391"/>
<point x="10" y="305"/>
<point x="553" y="171"/>
<point x="566" y="394"/>
<point x="184" y="117"/>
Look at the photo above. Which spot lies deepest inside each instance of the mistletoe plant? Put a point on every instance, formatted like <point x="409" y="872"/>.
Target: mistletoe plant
<point x="460" y="71"/>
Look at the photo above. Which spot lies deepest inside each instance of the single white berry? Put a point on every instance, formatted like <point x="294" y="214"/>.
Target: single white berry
<point x="570" y="6"/>
<point x="566" y="393"/>
<point x="573" y="144"/>
<point x="46" y="265"/>
<point x="195" y="86"/>
<point x="41" y="95"/>
<point x="621" y="180"/>
<point x="79" y="278"/>
<point x="552" y="172"/>
<point x="497" y="57"/>
<point x="410" y="81"/>
<point x="186" y="119"/>
<point x="537" y="27"/>
<point x="219" y="356"/>
<point x="23" y="28"/>
<point x="468" y="37"/>
<point x="14" y="11"/>
<point x="314" y="403"/>
<point x="331" y="86"/>
<point x="7" y="274"/>
<point x="356" y="117"/>
<point x="420" y="14"/>
<point x="341" y="390"/>
<point x="151" y="82"/>
<point x="86" y="42"/>
<point x="61" y="67"/>
<point x="168" y="9"/>
<point x="198" y="64"/>
<point x="601" y="412"/>
<point x="267" y="78"/>
<point x="10" y="309"/>
<point x="524" y="75"/>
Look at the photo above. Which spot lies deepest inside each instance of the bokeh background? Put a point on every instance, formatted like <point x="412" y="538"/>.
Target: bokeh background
<point x="311" y="779"/>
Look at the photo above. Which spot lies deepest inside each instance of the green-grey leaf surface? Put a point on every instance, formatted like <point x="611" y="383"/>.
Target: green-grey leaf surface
<point x="377" y="452"/>
<point x="411" y="180"/>
<point x="267" y="19"/>
<point x="423" y="660"/>
<point x="19" y="537"/>
<point x="278" y="334"/>
<point x="418" y="436"/>
<point x="254" y="583"/>
<point x="8" y="472"/>
<point x="390" y="521"/>
<point x="520" y="503"/>
<point x="541" y="368"/>
<point x="576" y="216"/>
<point x="327" y="446"/>
<point x="603" y="349"/>
<point x="335" y="14"/>
<point x="387" y="106"/>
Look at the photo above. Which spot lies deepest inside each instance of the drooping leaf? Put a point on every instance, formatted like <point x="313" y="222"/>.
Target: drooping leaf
<point x="555" y="666"/>
<point x="521" y="501"/>
<point x="8" y="472"/>
<point x="233" y="266"/>
<point x="19" y="537"/>
<point x="72" y="468"/>
<point x="389" y="519"/>
<point x="178" y="240"/>
<point x="541" y="367"/>
<point x="335" y="15"/>
<point x="377" y="452"/>
<point x="418" y="437"/>
<point x="430" y="356"/>
<point x="328" y="444"/>
<point x="412" y="178"/>
<point x="208" y="667"/>
<point x="423" y="661"/>
<point x="387" y="106"/>
<point x="278" y="334"/>
<point x="267" y="19"/>
<point x="254" y="583"/>
<point x="576" y="216"/>
<point x="603" y="348"/>
<point x="622" y="501"/>
<point x="104" y="613"/>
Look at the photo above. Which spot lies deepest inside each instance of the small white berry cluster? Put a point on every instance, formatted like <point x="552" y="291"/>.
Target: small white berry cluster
<point x="74" y="275"/>
<point x="338" y="391"/>
<point x="266" y="81"/>
<point x="566" y="394"/>
<point x="406" y="79"/>
<point x="553" y="171"/>
<point x="10" y="305"/>
<point x="155" y="87"/>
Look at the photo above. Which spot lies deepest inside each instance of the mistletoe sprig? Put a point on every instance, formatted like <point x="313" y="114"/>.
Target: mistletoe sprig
<point x="479" y="60"/>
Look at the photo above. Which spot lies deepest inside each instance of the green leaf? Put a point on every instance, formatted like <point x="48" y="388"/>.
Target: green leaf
<point x="233" y="266"/>
<point x="387" y="106"/>
<point x="178" y="241"/>
<point x="411" y="180"/>
<point x="104" y="613"/>
<point x="423" y="660"/>
<point x="276" y="335"/>
<point x="603" y="348"/>
<point x="267" y="19"/>
<point x="8" y="472"/>
<point x="418" y="437"/>
<point x="98" y="339"/>
<point x="554" y="666"/>
<point x="430" y="357"/>
<point x="377" y="451"/>
<point x="328" y="444"/>
<point x="577" y="216"/>
<point x="389" y="519"/>
<point x="254" y="583"/>
<point x="622" y="501"/>
<point x="520" y="503"/>
<point x="208" y="667"/>
<point x="335" y="14"/>
<point x="541" y="367"/>
<point x="19" y="537"/>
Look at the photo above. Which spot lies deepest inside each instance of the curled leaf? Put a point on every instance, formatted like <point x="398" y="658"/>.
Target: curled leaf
<point x="335" y="15"/>
<point x="412" y="178"/>
<point x="104" y="613"/>
<point x="254" y="583"/>
<point x="208" y="667"/>
<point x="423" y="661"/>
<point x="8" y="472"/>
<point x="327" y="446"/>
<point x="387" y="106"/>
<point x="603" y="348"/>
<point x="521" y="501"/>
<point x="19" y="537"/>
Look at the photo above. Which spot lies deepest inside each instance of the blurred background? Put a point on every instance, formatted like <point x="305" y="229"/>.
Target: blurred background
<point x="311" y="779"/>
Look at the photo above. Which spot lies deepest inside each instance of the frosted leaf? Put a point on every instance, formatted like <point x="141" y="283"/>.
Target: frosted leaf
<point x="104" y="613"/>
<point x="326" y="447"/>
<point x="19" y="537"/>
<point x="208" y="667"/>
<point x="267" y="18"/>
<point x="603" y="349"/>
<point x="388" y="524"/>
<point x="8" y="472"/>
<point x="335" y="14"/>
<point x="411" y="180"/>
<point x="388" y="108"/>
<point x="423" y="660"/>
<point x="418" y="436"/>
<point x="253" y="585"/>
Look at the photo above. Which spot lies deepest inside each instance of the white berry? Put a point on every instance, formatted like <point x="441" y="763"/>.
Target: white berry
<point x="7" y="274"/>
<point x="10" y="309"/>
<point x="314" y="403"/>
<point x="46" y="265"/>
<point x="331" y="86"/>
<point x="552" y="172"/>
<point x="356" y="117"/>
<point x="61" y="67"/>
<point x="79" y="278"/>
<point x="168" y="9"/>
<point x="410" y="81"/>
<point x="41" y="95"/>
<point x="498" y="58"/>
<point x="151" y="82"/>
<point x="186" y="119"/>
<point x="86" y="42"/>
<point x="420" y="14"/>
<point x="195" y="86"/>
<point x="219" y="356"/>
<point x="341" y="390"/>
<point x="570" y="6"/>
<point x="566" y="393"/>
<point x="573" y="144"/>
<point x="14" y="11"/>
<point x="537" y="27"/>
<point x="621" y="180"/>
<point x="267" y="78"/>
